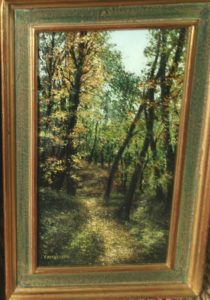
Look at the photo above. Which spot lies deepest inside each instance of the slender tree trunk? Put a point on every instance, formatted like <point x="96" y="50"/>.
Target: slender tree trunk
<point x="120" y="153"/>
<point x="135" y="179"/>
<point x="166" y="84"/>
<point x="109" y="155"/>
<point x="74" y="99"/>
<point x="70" y="148"/>
<point x="51" y="71"/>
<point x="102" y="158"/>
<point x="138" y="171"/>
<point x="90" y="159"/>
<point x="124" y="176"/>
<point x="149" y="117"/>
<point x="160" y="196"/>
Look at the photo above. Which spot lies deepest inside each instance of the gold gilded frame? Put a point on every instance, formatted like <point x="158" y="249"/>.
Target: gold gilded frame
<point x="24" y="280"/>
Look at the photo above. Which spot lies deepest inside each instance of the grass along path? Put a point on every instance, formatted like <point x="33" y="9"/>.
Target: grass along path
<point x="118" y="244"/>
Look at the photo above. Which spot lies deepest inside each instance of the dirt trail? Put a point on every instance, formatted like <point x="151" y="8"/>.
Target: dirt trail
<point x="117" y="241"/>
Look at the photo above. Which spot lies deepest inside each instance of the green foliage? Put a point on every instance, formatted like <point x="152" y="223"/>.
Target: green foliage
<point x="151" y="245"/>
<point x="85" y="248"/>
<point x="60" y="218"/>
<point x="51" y="199"/>
<point x="150" y="237"/>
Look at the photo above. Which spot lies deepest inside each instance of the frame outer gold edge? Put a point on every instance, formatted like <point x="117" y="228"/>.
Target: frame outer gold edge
<point x="9" y="186"/>
<point x="188" y="80"/>
<point x="8" y="150"/>
<point x="181" y="142"/>
<point x="103" y="293"/>
<point x="202" y="217"/>
<point x="33" y="153"/>
<point x="74" y="3"/>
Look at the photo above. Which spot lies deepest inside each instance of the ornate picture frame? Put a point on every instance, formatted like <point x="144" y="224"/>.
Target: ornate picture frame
<point x="181" y="274"/>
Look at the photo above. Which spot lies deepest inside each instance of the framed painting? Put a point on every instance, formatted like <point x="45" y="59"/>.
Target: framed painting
<point x="106" y="115"/>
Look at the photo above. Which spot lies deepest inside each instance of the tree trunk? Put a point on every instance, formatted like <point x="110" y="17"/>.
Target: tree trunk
<point x="160" y="196"/>
<point x="135" y="178"/>
<point x="149" y="117"/>
<point x="51" y="71"/>
<point x="70" y="148"/>
<point x="120" y="153"/>
<point x="90" y="159"/>
<point x="166" y="84"/>
<point x="74" y="100"/>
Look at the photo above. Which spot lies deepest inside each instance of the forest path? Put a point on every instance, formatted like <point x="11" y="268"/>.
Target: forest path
<point x="118" y="244"/>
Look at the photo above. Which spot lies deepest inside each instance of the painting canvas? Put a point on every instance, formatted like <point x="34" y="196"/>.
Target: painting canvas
<point x="108" y="115"/>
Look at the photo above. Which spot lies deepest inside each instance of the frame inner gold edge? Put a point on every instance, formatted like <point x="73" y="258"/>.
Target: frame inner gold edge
<point x="168" y="265"/>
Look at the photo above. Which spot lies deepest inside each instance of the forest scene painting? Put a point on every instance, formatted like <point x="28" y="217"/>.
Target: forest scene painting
<point x="109" y="105"/>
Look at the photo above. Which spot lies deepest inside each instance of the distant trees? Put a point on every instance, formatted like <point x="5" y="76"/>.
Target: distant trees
<point x="125" y="89"/>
